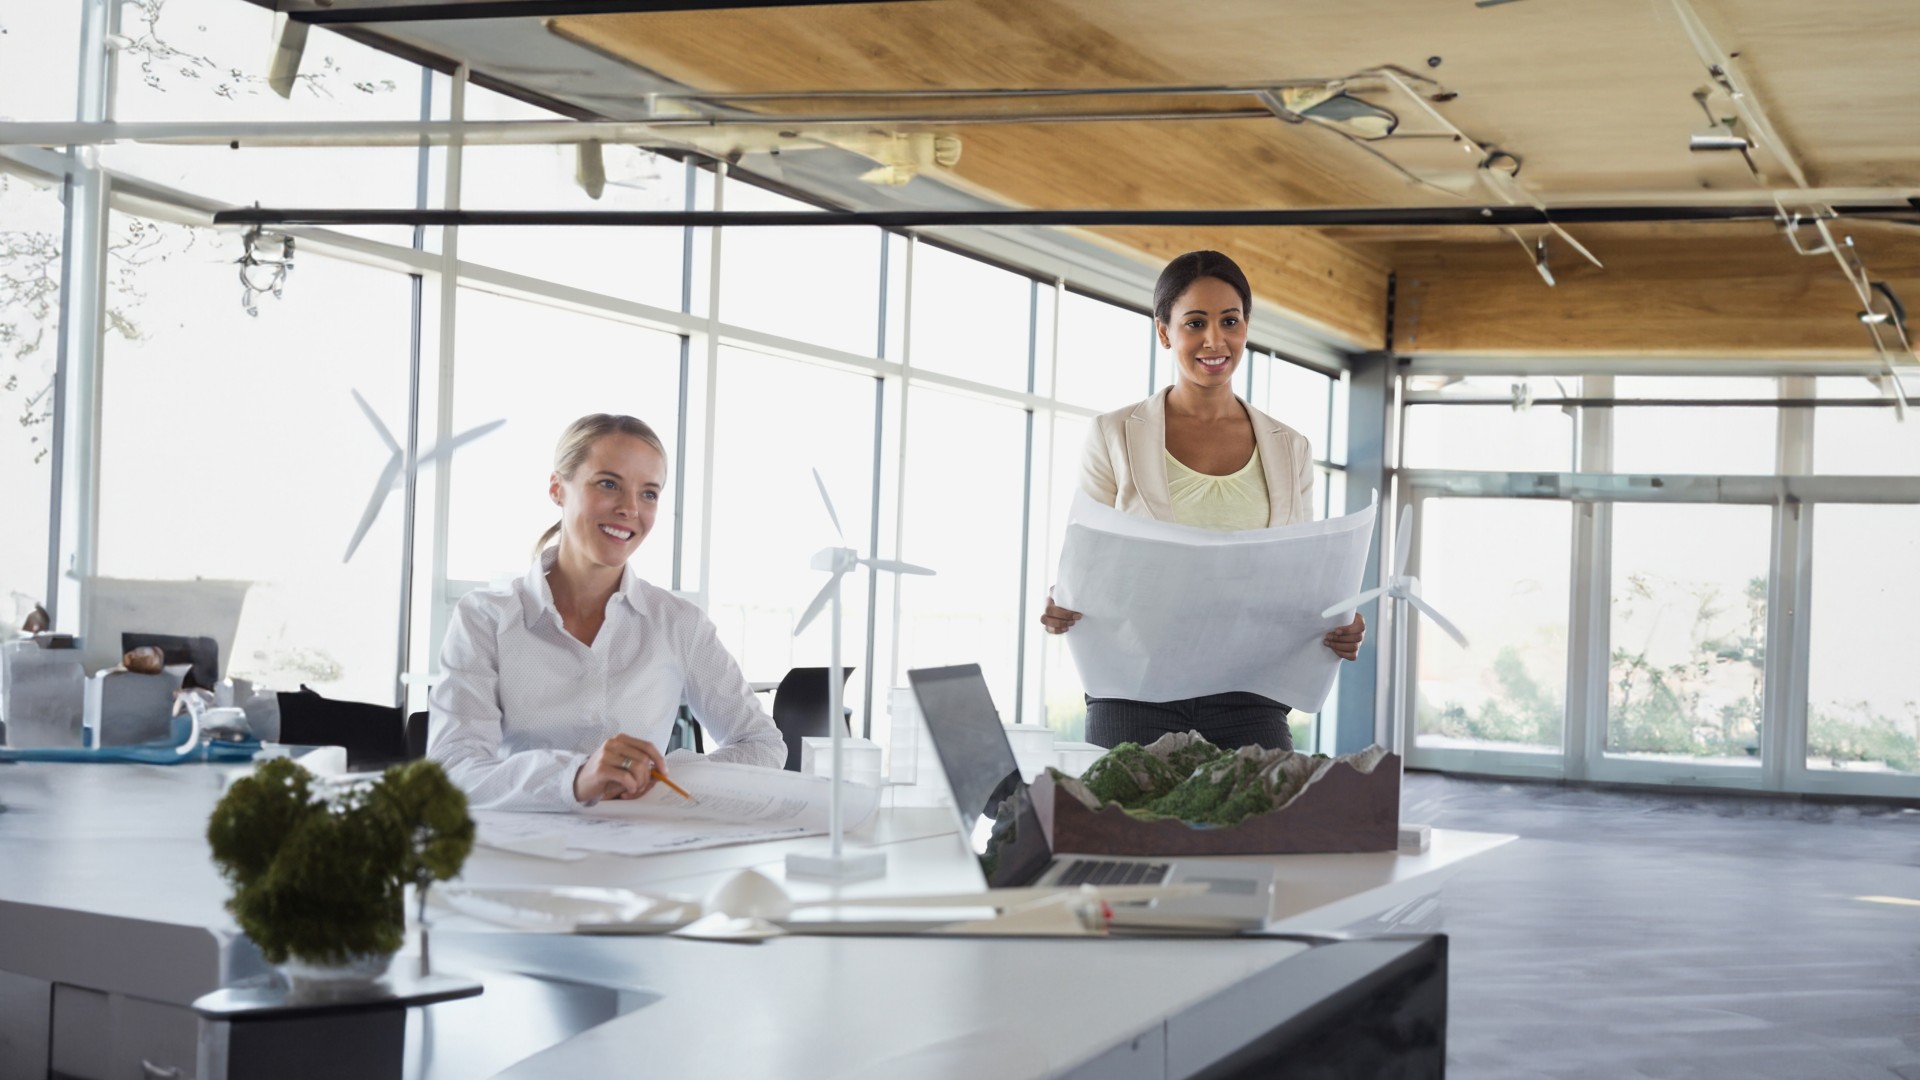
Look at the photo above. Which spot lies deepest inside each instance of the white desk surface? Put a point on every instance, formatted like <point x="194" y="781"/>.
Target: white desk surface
<point x="129" y="841"/>
<point x="95" y="856"/>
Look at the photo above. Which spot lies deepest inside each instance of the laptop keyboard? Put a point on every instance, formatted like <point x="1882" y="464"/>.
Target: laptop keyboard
<point x="1113" y="872"/>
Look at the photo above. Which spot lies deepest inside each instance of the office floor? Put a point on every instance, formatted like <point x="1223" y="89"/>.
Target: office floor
<point x="1678" y="936"/>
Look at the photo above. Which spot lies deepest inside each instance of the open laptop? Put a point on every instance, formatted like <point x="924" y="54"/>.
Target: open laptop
<point x="980" y="768"/>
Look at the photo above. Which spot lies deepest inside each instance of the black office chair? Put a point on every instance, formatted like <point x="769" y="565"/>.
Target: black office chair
<point x="416" y="736"/>
<point x="800" y="708"/>
<point x="374" y="735"/>
<point x="685" y="734"/>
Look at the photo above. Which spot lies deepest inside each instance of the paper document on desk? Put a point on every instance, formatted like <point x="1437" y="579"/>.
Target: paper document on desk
<point x="739" y="804"/>
<point x="1171" y="611"/>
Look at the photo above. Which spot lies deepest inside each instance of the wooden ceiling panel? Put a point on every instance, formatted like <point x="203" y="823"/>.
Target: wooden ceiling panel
<point x="1595" y="98"/>
<point x="1693" y="291"/>
<point x="1840" y="80"/>
<point x="1021" y="43"/>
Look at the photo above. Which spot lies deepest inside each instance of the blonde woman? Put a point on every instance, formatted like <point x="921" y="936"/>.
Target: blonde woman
<point x="560" y="689"/>
<point x="1198" y="455"/>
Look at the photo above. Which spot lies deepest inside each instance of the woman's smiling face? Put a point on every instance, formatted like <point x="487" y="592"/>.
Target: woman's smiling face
<point x="607" y="507"/>
<point x="1207" y="332"/>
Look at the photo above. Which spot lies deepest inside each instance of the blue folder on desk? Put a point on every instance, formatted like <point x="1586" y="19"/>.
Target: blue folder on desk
<point x="153" y="753"/>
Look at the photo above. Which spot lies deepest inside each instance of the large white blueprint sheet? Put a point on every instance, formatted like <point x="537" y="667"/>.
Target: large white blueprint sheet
<point x="1171" y="611"/>
<point x="739" y="804"/>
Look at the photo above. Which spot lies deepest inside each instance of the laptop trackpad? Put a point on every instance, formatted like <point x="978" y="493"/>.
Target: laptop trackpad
<point x="1223" y="886"/>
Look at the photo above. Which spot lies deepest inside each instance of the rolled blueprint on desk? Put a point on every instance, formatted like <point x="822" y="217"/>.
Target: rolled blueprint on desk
<point x="739" y="804"/>
<point x="1171" y="611"/>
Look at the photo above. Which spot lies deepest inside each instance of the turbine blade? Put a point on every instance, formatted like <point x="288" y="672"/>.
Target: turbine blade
<point x="437" y="454"/>
<point x="828" y="499"/>
<point x="1438" y="619"/>
<point x="1403" y="543"/>
<point x="819" y="602"/>
<point x="897" y="567"/>
<point x="1352" y="602"/>
<point x="389" y="476"/>
<point x="380" y="428"/>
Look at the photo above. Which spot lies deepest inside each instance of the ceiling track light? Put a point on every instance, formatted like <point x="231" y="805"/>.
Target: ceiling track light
<point x="265" y="260"/>
<point x="1881" y="311"/>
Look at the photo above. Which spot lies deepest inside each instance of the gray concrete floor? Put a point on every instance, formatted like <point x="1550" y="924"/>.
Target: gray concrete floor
<point x="1678" y="936"/>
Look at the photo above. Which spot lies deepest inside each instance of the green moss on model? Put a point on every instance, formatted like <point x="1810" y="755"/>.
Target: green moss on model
<point x="1129" y="775"/>
<point x="1226" y="793"/>
<point x="1184" y="777"/>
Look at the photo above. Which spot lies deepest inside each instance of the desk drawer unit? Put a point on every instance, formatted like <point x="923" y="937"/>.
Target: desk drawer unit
<point x="100" y="1036"/>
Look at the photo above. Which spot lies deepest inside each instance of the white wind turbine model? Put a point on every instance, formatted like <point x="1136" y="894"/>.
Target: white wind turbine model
<point x="1405" y="587"/>
<point x="390" y="476"/>
<point x="837" y="865"/>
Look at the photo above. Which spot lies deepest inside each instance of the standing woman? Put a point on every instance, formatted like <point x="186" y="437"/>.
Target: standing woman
<point x="559" y="689"/>
<point x="1198" y="455"/>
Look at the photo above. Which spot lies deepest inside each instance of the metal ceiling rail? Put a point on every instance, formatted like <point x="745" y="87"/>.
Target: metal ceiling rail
<point x="997" y="93"/>
<point x="1319" y="218"/>
<point x="1663" y="488"/>
<point x="376" y="11"/>
<point x="651" y="131"/>
<point x="325" y="12"/>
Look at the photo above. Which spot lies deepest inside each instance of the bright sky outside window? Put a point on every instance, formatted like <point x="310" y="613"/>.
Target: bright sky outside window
<point x="540" y="368"/>
<point x="783" y="419"/>
<point x="1499" y="568"/>
<point x="970" y="319"/>
<point x="1688" y="631"/>
<point x="1855" y="441"/>
<point x="39" y="60"/>
<point x="965" y="461"/>
<point x="1103" y="353"/>
<point x="30" y="264"/>
<point x="1297" y="397"/>
<point x="1538" y="438"/>
<point x="630" y="263"/>
<point x="833" y="302"/>
<point x="207" y="60"/>
<point x="1863" y="701"/>
<point x="231" y="447"/>
<point x="1701" y="440"/>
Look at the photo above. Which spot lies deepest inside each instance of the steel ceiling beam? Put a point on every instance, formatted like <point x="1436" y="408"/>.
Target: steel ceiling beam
<point x="1314" y="218"/>
<point x="367" y="12"/>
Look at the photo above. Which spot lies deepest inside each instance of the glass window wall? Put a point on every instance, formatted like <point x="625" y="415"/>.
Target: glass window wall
<point x="1688" y="632"/>
<point x="1499" y="569"/>
<point x="970" y="319"/>
<point x="768" y="520"/>
<point x="30" y="266"/>
<point x="232" y="447"/>
<point x="1863" y="700"/>
<point x="540" y="368"/>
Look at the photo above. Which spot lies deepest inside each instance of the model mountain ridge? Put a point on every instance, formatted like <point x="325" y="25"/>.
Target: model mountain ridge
<point x="1182" y="776"/>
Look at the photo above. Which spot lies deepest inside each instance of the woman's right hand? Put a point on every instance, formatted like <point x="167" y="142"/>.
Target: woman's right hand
<point x="1056" y="619"/>
<point x="623" y="767"/>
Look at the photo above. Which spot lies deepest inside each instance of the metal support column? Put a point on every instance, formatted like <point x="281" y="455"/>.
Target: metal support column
<point x="1370" y="397"/>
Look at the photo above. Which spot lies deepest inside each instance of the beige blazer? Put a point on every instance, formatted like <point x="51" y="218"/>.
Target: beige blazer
<point x="1125" y="464"/>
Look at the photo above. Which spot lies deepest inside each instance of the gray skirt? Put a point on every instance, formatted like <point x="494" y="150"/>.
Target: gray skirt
<point x="1229" y="720"/>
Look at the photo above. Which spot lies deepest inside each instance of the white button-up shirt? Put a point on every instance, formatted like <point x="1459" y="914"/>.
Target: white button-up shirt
<point x="523" y="702"/>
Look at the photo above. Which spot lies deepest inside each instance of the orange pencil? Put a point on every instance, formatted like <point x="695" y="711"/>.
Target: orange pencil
<point x="683" y="791"/>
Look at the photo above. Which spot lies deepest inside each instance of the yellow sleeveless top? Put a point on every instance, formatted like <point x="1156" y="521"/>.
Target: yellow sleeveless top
<point x="1234" y="501"/>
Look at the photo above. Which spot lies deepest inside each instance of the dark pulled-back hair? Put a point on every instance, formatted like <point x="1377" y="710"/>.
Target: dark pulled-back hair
<point x="1184" y="270"/>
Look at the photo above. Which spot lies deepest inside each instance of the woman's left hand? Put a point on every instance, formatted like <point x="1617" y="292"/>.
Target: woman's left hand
<point x="1346" y="640"/>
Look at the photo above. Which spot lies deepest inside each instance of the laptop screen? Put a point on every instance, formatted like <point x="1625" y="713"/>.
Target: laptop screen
<point x="980" y="768"/>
